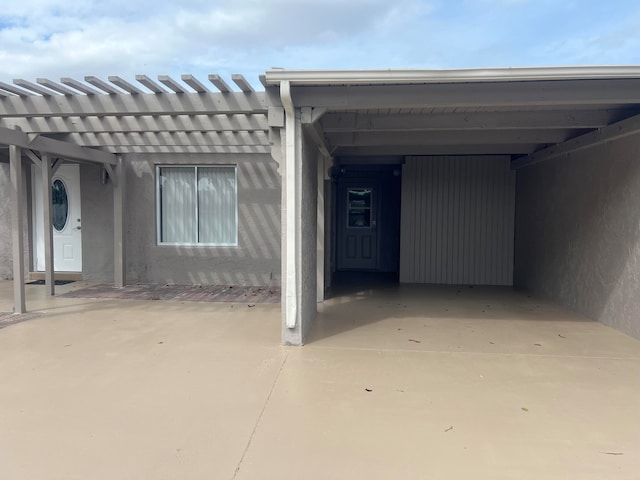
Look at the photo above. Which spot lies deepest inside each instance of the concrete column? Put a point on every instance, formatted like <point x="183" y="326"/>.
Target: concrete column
<point x="17" y="225"/>
<point x="119" y="199"/>
<point x="45" y="170"/>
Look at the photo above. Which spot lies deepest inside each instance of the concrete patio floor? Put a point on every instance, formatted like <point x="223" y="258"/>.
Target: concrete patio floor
<point x="412" y="382"/>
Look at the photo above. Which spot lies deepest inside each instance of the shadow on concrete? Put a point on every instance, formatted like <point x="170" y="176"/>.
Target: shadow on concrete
<point x="362" y="300"/>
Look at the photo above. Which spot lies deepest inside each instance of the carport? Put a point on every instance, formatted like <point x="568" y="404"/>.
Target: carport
<point x="523" y="177"/>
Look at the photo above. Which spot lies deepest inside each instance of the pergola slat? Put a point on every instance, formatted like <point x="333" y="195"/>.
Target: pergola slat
<point x="55" y="86"/>
<point x="242" y="83"/>
<point x="81" y="87"/>
<point x="33" y="87"/>
<point x="171" y="83"/>
<point x="15" y="90"/>
<point x="123" y="84"/>
<point x="194" y="83"/>
<point x="102" y="85"/>
<point x="219" y="83"/>
<point x="150" y="84"/>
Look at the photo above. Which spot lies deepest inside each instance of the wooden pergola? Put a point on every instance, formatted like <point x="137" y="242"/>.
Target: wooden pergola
<point x="97" y="121"/>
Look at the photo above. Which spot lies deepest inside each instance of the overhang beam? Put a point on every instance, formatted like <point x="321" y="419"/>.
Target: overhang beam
<point x="54" y="147"/>
<point x="511" y="120"/>
<point x="402" y="150"/>
<point x="615" y="131"/>
<point x="450" y="137"/>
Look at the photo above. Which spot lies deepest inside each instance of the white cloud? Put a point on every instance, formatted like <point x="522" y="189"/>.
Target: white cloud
<point x="54" y="38"/>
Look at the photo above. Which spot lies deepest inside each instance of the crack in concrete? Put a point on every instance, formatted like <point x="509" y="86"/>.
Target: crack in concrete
<point x="264" y="407"/>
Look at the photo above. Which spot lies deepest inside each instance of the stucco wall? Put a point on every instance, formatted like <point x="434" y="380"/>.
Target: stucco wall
<point x="97" y="225"/>
<point x="256" y="259"/>
<point x="309" y="228"/>
<point x="6" y="257"/>
<point x="6" y="236"/>
<point x="578" y="232"/>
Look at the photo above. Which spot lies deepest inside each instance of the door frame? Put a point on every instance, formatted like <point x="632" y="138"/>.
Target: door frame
<point x="67" y="173"/>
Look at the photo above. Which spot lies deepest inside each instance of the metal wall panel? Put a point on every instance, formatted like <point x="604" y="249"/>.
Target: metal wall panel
<point x="457" y="220"/>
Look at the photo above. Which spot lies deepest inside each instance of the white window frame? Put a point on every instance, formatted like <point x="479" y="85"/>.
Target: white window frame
<point x="195" y="171"/>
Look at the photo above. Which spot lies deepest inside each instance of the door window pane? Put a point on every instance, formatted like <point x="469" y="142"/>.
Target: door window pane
<point x="359" y="207"/>
<point x="60" y="205"/>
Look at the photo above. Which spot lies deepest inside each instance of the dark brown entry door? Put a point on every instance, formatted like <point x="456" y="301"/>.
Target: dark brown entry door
<point x="357" y="228"/>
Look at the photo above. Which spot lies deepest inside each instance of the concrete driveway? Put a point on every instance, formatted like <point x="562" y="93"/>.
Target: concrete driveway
<point x="411" y="382"/>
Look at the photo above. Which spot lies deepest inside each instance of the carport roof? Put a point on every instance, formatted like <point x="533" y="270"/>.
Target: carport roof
<point x="529" y="113"/>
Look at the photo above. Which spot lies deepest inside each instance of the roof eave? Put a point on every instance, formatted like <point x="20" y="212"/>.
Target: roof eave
<point x="467" y="75"/>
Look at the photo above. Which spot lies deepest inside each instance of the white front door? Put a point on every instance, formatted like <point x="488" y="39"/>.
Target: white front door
<point x="66" y="219"/>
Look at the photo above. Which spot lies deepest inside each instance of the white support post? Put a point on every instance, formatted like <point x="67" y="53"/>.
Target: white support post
<point x="45" y="166"/>
<point x="17" y="221"/>
<point x="320" y="230"/>
<point x="290" y="194"/>
<point x="119" y="198"/>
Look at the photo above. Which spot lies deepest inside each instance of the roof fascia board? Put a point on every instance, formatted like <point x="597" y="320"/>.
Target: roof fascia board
<point x="499" y="94"/>
<point x="393" y="76"/>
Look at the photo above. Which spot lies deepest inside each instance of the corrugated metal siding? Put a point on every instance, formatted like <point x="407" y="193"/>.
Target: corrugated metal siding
<point x="457" y="220"/>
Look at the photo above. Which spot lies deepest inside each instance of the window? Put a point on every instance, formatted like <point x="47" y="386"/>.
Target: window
<point x="359" y="207"/>
<point x="197" y="205"/>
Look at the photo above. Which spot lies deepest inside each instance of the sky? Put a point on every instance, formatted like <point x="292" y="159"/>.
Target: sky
<point x="76" y="38"/>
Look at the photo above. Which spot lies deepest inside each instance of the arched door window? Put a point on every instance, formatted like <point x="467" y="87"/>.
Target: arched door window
<point x="60" y="204"/>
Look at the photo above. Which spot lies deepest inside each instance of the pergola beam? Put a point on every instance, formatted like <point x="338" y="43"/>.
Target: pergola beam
<point x="225" y="149"/>
<point x="169" y="138"/>
<point x="54" y="147"/>
<point x="615" y="131"/>
<point x="144" y="104"/>
<point x="144" y="123"/>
